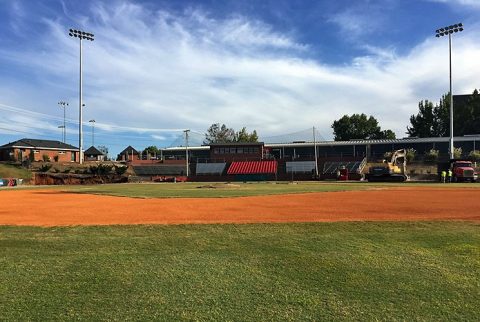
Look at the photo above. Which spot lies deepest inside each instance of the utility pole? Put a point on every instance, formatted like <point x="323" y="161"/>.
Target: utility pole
<point x="186" y="148"/>
<point x="88" y="36"/>
<point x="63" y="105"/>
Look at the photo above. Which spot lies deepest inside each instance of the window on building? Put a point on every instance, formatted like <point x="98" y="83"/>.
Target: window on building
<point x="222" y="150"/>
<point x="61" y="152"/>
<point x="215" y="151"/>
<point x="255" y="150"/>
<point x="240" y="150"/>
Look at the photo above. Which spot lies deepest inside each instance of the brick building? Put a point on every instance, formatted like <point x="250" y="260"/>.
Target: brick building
<point x="129" y="154"/>
<point x="93" y="154"/>
<point x="38" y="150"/>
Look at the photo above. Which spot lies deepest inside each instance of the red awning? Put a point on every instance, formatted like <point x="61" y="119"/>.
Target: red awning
<point x="253" y="167"/>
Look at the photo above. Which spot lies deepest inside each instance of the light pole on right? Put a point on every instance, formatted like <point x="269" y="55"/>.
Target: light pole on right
<point x="186" y="148"/>
<point x="448" y="31"/>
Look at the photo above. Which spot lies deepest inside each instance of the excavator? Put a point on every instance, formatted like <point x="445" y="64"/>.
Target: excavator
<point x="394" y="170"/>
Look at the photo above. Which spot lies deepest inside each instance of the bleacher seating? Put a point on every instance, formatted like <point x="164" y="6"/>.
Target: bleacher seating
<point x="253" y="167"/>
<point x="210" y="168"/>
<point x="300" y="166"/>
<point x="160" y="170"/>
<point x="331" y="167"/>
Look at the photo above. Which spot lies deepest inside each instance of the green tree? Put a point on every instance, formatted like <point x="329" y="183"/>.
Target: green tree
<point x="359" y="126"/>
<point x="386" y="135"/>
<point x="217" y="133"/>
<point x="152" y="150"/>
<point x="434" y="121"/>
<point x="244" y="136"/>
<point x="424" y="123"/>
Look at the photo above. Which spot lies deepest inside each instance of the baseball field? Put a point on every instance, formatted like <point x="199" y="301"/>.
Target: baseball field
<point x="255" y="252"/>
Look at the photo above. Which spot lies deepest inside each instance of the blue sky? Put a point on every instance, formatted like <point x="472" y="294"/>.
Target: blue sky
<point x="158" y="67"/>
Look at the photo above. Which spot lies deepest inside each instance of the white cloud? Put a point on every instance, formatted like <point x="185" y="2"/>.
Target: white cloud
<point x="469" y="3"/>
<point x="156" y="70"/>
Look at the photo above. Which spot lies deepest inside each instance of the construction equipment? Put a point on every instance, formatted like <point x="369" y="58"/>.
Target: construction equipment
<point x="394" y="170"/>
<point x="462" y="170"/>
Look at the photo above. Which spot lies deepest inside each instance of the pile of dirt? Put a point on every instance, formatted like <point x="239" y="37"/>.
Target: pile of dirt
<point x="220" y="186"/>
<point x="69" y="179"/>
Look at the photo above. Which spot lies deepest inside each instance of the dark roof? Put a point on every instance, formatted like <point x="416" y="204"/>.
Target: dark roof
<point x="129" y="150"/>
<point x="159" y="170"/>
<point x="93" y="151"/>
<point x="236" y="144"/>
<point x="39" y="144"/>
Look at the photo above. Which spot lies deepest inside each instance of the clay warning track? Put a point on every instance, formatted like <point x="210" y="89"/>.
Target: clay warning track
<point x="54" y="208"/>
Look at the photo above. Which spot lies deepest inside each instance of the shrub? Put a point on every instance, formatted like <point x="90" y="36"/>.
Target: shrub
<point x="120" y="169"/>
<point x="46" y="158"/>
<point x="431" y="156"/>
<point x="45" y="167"/>
<point x="387" y="156"/>
<point x="55" y="158"/>
<point x="104" y="169"/>
<point x="457" y="153"/>
<point x="56" y="170"/>
<point x="474" y="156"/>
<point x="93" y="169"/>
<point x="101" y="169"/>
<point x="67" y="170"/>
<point x="410" y="155"/>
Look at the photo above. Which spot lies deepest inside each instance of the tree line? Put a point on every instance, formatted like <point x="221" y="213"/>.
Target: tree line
<point x="432" y="120"/>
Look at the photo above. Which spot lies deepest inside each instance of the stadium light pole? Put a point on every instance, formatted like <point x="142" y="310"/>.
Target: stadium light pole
<point x="316" y="158"/>
<point x="93" y="131"/>
<point x="186" y="148"/>
<point x="81" y="35"/>
<point x="63" y="128"/>
<point x="63" y="105"/>
<point x="448" y="31"/>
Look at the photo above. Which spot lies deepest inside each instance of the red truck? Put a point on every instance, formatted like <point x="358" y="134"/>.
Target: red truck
<point x="462" y="171"/>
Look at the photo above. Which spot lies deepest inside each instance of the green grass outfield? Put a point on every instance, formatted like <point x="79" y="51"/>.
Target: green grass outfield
<point x="265" y="272"/>
<point x="198" y="190"/>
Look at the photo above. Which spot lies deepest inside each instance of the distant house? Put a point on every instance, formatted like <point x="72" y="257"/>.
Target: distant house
<point x="38" y="150"/>
<point x="93" y="154"/>
<point x="128" y="154"/>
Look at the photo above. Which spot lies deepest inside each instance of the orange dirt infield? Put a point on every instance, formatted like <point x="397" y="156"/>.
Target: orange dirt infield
<point x="54" y="208"/>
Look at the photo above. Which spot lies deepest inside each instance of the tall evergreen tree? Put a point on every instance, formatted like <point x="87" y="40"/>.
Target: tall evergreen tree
<point x="434" y="121"/>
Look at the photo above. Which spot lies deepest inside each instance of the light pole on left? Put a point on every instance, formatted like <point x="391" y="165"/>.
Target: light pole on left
<point x="87" y="36"/>
<point x="63" y="105"/>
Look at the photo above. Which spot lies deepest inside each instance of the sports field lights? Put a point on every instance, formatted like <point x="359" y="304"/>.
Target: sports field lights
<point x="81" y="35"/>
<point x="449" y="30"/>
<point x="440" y="33"/>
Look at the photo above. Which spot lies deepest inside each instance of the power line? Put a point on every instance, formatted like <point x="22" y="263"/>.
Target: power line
<point x="72" y="121"/>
